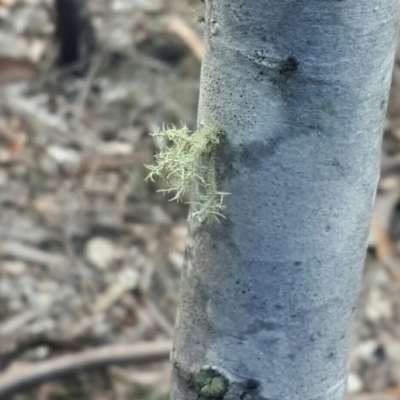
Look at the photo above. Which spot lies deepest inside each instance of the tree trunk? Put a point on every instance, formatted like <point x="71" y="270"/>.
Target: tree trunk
<point x="268" y="296"/>
<point x="75" y="34"/>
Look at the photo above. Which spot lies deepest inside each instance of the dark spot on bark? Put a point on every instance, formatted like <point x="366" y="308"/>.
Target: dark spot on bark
<point x="313" y="338"/>
<point x="252" y="384"/>
<point x="289" y="66"/>
<point x="243" y="391"/>
<point x="245" y="154"/>
<point x="273" y="144"/>
<point x="279" y="306"/>
<point x="332" y="354"/>
<point x="259" y="325"/>
<point x="297" y="263"/>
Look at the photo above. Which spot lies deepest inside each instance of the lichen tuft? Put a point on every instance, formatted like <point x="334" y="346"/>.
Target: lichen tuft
<point x="198" y="16"/>
<point x="189" y="163"/>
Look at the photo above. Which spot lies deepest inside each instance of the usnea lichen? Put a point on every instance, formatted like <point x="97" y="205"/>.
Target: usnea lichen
<point x="189" y="163"/>
<point x="199" y="16"/>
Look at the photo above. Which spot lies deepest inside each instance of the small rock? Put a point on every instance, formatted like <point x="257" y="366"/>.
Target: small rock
<point x="64" y="155"/>
<point x="13" y="268"/>
<point x="13" y="47"/>
<point x="32" y="20"/>
<point x="100" y="252"/>
<point x="366" y="350"/>
<point x="179" y="233"/>
<point x="140" y="5"/>
<point x="381" y="278"/>
<point x="37" y="49"/>
<point x="378" y="307"/>
<point x="116" y="149"/>
<point x="5" y="156"/>
<point x="41" y="352"/>
<point x="354" y="384"/>
<point x="42" y="301"/>
<point x="49" y="208"/>
<point x="119" y="92"/>
<point x="101" y="327"/>
<point x="128" y="278"/>
<point x="176" y="259"/>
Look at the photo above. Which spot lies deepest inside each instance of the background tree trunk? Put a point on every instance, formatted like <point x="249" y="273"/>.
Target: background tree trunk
<point x="75" y="33"/>
<point x="268" y="295"/>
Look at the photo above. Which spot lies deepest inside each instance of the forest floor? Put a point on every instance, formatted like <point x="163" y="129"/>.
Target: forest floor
<point x="90" y="255"/>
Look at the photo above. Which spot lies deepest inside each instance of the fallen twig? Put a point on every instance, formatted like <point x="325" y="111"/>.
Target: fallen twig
<point x="182" y="29"/>
<point x="32" y="254"/>
<point x="17" y="322"/>
<point x="159" y="318"/>
<point x="387" y="395"/>
<point x="17" y="378"/>
<point x="146" y="379"/>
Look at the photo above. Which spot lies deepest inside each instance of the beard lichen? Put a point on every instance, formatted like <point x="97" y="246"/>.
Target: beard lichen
<point x="198" y="16"/>
<point x="189" y="163"/>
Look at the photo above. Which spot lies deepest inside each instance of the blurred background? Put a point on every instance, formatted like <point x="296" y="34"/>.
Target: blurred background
<point x="90" y="255"/>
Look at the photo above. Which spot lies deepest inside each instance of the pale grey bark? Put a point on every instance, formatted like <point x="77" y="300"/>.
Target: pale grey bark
<point x="268" y="296"/>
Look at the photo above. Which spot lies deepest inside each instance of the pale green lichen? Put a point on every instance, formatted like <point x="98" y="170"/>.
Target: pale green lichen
<point x="198" y="16"/>
<point x="210" y="384"/>
<point x="189" y="163"/>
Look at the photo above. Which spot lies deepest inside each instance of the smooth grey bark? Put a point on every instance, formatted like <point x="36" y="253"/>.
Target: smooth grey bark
<point x="268" y="296"/>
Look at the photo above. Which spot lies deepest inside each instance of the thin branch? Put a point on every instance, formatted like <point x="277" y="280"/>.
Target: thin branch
<point x="181" y="28"/>
<point x="16" y="379"/>
<point x="375" y="396"/>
